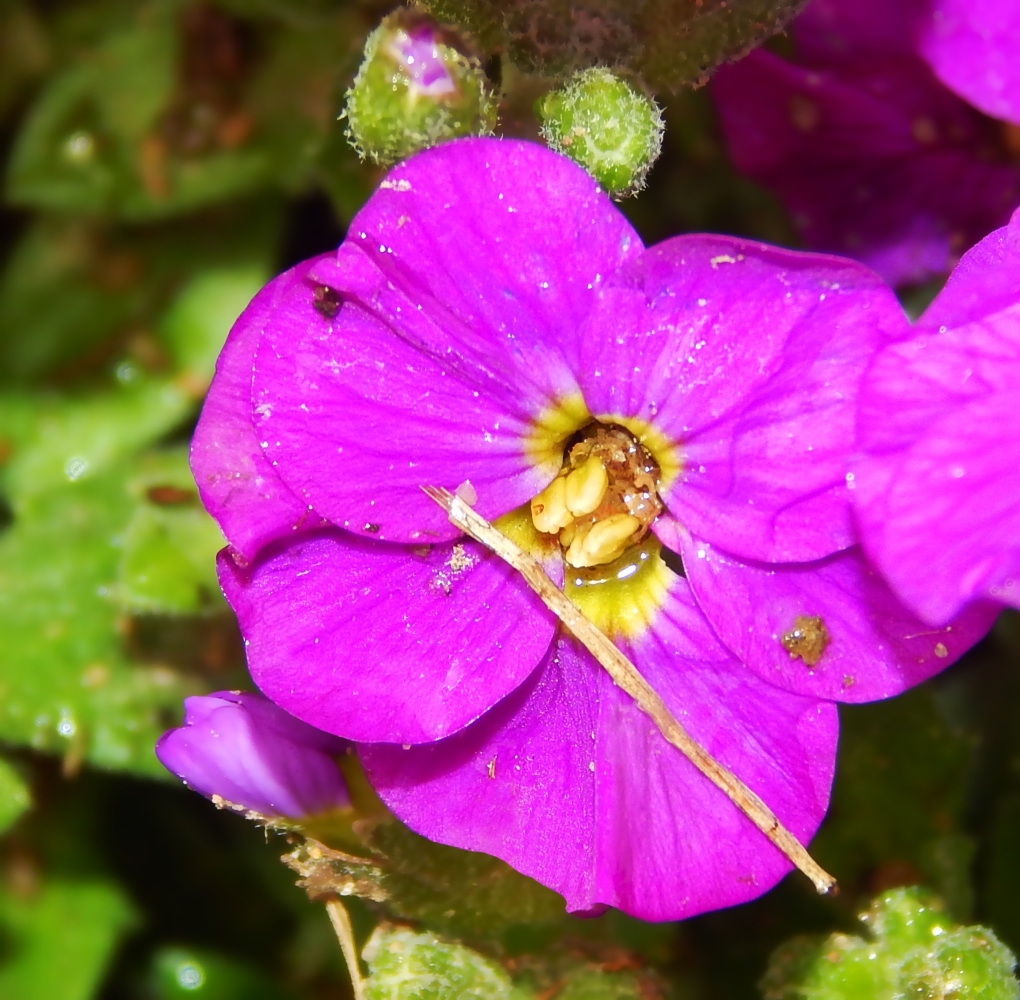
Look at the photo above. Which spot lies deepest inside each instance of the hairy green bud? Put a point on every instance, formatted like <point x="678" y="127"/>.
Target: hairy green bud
<point x="404" y="964"/>
<point x="419" y="85"/>
<point x="606" y="125"/>
<point x="916" y="950"/>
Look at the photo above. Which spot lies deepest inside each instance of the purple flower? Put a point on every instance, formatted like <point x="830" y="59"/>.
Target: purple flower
<point x="972" y="46"/>
<point x="938" y="488"/>
<point x="245" y="753"/>
<point x="493" y="324"/>
<point x="871" y="154"/>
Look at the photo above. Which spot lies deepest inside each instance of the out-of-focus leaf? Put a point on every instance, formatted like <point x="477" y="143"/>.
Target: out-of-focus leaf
<point x="24" y="52"/>
<point x="175" y="112"/>
<point x="62" y="292"/>
<point x="901" y="783"/>
<point x="205" y="975"/>
<point x="1002" y="875"/>
<point x="15" y="797"/>
<point x="74" y="438"/>
<point x="60" y="940"/>
<point x="75" y="295"/>
<point x="592" y="984"/>
<point x="65" y="683"/>
<point x="81" y="148"/>
<point x="169" y="560"/>
<point x="409" y="966"/>
<point x="198" y="320"/>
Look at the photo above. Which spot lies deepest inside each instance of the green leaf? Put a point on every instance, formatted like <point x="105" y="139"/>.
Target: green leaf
<point x="63" y="291"/>
<point x="461" y="893"/>
<point x="24" y="53"/>
<point x="75" y="294"/>
<point x="169" y="561"/>
<point x="197" y="322"/>
<point x="914" y="950"/>
<point x="15" y="797"/>
<point x="60" y="940"/>
<point x="66" y="685"/>
<point x="81" y="148"/>
<point x="409" y="966"/>
<point x="74" y="438"/>
<point x="902" y="783"/>
<point x="593" y="984"/>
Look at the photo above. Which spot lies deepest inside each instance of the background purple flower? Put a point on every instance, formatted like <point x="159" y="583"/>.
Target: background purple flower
<point x="464" y="333"/>
<point x="972" y="46"/>
<point x="873" y="156"/>
<point x="243" y="749"/>
<point x="938" y="488"/>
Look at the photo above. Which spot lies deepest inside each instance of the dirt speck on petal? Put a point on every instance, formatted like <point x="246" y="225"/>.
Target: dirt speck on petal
<point x="807" y="640"/>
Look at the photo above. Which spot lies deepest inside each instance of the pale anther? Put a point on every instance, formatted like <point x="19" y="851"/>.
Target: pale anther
<point x="607" y="540"/>
<point x="549" y="509"/>
<point x="586" y="487"/>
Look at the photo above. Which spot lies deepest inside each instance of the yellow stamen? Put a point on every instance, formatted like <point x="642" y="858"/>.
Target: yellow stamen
<point x="586" y="487"/>
<point x="549" y="508"/>
<point x="605" y="542"/>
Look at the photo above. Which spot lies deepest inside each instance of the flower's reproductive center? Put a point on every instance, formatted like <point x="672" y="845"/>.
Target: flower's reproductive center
<point x="604" y="498"/>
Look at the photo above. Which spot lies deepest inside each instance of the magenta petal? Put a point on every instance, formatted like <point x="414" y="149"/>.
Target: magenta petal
<point x="506" y="266"/>
<point x="464" y="303"/>
<point x="569" y="782"/>
<point x="238" y="486"/>
<point x="749" y="358"/>
<point x="985" y="282"/>
<point x="972" y="46"/>
<point x="358" y="421"/>
<point x="877" y="646"/>
<point x="938" y="483"/>
<point x="942" y="519"/>
<point x="381" y="642"/>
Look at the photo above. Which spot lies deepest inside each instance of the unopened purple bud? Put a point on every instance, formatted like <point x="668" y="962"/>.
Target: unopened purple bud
<point x="420" y="84"/>
<point x="416" y="49"/>
<point x="245" y="753"/>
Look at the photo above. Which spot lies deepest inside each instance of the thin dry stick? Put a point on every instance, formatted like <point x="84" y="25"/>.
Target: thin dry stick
<point x="345" y="935"/>
<point x="626" y="676"/>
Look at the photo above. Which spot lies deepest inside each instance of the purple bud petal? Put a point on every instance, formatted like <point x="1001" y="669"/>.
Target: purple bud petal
<point x="417" y="50"/>
<point x="243" y="749"/>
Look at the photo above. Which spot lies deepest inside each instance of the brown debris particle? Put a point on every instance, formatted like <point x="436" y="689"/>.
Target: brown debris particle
<point x="326" y="301"/>
<point x="170" y="496"/>
<point x="807" y="640"/>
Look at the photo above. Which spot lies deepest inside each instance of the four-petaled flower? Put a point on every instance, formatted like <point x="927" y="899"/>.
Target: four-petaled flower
<point x="667" y="428"/>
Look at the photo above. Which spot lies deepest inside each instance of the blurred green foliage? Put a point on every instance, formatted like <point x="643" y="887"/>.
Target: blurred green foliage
<point x="163" y="158"/>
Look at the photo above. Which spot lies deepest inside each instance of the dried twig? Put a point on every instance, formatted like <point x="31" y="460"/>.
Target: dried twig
<point x="626" y="676"/>
<point x="341" y="922"/>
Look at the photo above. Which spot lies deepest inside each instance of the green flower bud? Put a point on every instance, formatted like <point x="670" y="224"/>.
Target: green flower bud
<point x="418" y="86"/>
<point x="916" y="950"/>
<point x="606" y="125"/>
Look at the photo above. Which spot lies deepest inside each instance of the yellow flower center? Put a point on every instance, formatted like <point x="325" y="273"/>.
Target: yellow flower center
<point x="604" y="498"/>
